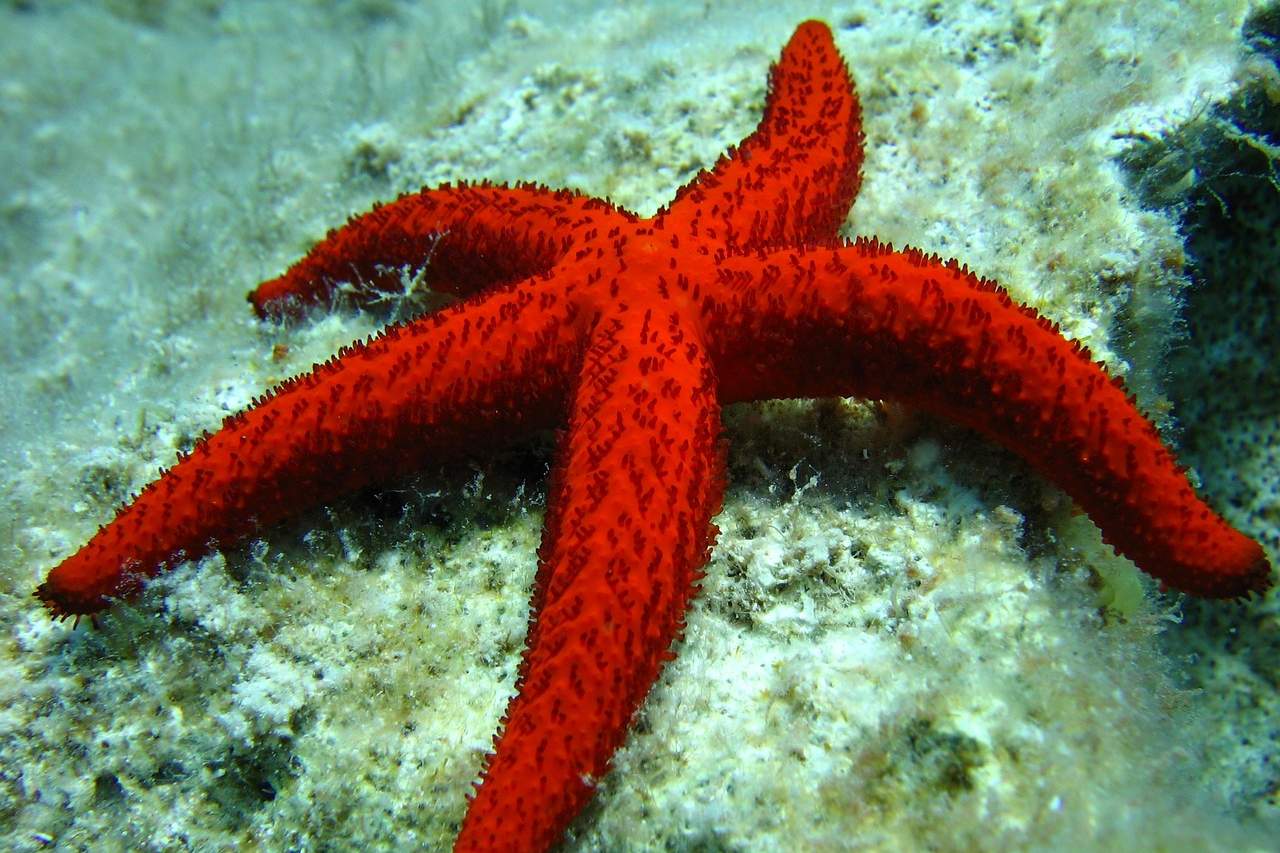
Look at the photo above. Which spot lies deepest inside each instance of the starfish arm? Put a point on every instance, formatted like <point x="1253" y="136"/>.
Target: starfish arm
<point x="864" y="320"/>
<point x="792" y="180"/>
<point x="469" y="237"/>
<point x="639" y="476"/>
<point x="442" y="384"/>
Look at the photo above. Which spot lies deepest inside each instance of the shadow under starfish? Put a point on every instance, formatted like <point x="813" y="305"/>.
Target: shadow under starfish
<point x="631" y="333"/>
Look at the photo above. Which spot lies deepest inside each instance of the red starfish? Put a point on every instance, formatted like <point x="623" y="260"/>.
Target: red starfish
<point x="634" y="332"/>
